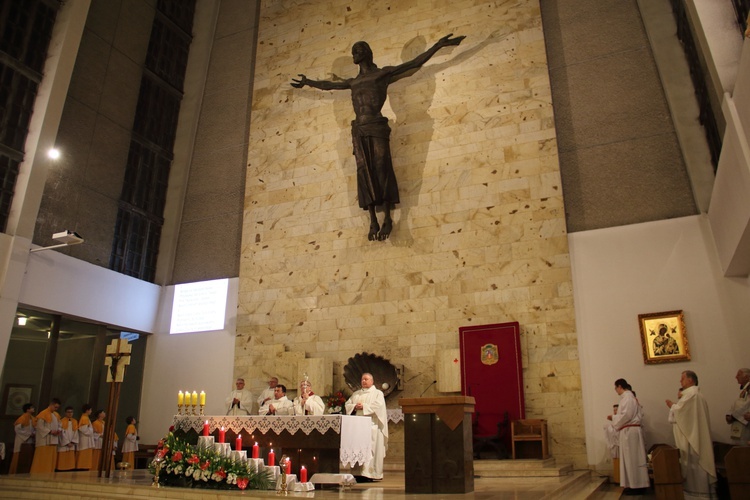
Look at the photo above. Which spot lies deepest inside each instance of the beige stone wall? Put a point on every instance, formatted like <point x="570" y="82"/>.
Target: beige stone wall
<point x="479" y="234"/>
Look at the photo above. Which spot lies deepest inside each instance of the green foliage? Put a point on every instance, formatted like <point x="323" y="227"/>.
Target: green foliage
<point x="181" y="463"/>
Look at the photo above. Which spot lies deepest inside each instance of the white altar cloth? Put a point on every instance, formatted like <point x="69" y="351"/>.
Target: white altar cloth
<point x="355" y="447"/>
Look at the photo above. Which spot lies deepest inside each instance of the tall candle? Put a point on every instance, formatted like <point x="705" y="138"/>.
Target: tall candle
<point x="271" y="458"/>
<point x="203" y="398"/>
<point x="194" y="398"/>
<point x="180" y="398"/>
<point x="302" y="474"/>
<point x="205" y="428"/>
<point x="288" y="467"/>
<point x="238" y="443"/>
<point x="255" y="450"/>
<point x="221" y="435"/>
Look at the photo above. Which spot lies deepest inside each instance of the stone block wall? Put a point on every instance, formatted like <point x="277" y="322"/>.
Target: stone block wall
<point x="479" y="235"/>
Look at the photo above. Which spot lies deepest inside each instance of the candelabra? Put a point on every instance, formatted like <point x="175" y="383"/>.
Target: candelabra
<point x="179" y="409"/>
<point x="204" y="404"/>
<point x="192" y="411"/>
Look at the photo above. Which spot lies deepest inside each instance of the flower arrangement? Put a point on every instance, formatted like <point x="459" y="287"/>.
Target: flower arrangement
<point x="335" y="402"/>
<point x="178" y="463"/>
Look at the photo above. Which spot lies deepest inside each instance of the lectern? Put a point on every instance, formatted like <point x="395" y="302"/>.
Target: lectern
<point x="438" y="444"/>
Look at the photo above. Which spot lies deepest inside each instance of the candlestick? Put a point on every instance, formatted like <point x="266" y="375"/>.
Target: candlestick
<point x="202" y="398"/>
<point x="205" y="428"/>
<point x="271" y="458"/>
<point x="238" y="443"/>
<point x="255" y="450"/>
<point x="194" y="398"/>
<point x="302" y="474"/>
<point x="221" y="435"/>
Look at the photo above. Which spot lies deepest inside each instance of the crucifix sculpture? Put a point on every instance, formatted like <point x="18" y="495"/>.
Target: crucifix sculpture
<point x="376" y="181"/>
<point x="116" y="359"/>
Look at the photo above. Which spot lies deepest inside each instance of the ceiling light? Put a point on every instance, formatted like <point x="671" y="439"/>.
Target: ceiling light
<point x="22" y="320"/>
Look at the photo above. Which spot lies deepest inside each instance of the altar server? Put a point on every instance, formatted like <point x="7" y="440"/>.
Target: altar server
<point x="279" y="406"/>
<point x="240" y="400"/>
<point x="24" y="429"/>
<point x="85" y="451"/>
<point x="627" y="423"/>
<point x="369" y="401"/>
<point x="47" y="430"/>
<point x="67" y="440"/>
<point x="308" y="403"/>
<point x="130" y="446"/>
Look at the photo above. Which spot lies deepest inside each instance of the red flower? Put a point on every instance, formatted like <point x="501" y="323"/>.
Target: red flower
<point x="160" y="445"/>
<point x="161" y="453"/>
<point x="205" y="465"/>
<point x="171" y="428"/>
<point x="193" y="460"/>
<point x="242" y="482"/>
<point x="177" y="456"/>
<point x="221" y="473"/>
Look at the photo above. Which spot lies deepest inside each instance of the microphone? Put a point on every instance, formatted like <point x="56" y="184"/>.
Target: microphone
<point x="433" y="383"/>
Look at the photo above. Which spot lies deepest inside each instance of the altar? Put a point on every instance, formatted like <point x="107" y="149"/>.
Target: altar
<point x="323" y="443"/>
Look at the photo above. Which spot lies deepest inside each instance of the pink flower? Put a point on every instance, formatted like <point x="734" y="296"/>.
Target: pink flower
<point x="242" y="482"/>
<point x="177" y="456"/>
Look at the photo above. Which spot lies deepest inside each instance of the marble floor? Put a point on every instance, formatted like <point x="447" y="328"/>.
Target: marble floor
<point x="137" y="484"/>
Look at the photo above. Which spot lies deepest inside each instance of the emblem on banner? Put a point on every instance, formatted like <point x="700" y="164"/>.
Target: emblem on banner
<point x="489" y="354"/>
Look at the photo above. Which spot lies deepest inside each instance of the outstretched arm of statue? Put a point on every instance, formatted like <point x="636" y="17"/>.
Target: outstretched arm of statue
<point x="319" y="84"/>
<point x="422" y="58"/>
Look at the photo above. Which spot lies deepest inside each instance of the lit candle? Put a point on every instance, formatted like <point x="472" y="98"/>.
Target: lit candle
<point x="205" y="428"/>
<point x="180" y="398"/>
<point x="271" y="458"/>
<point x="221" y="435"/>
<point x="238" y="443"/>
<point x="194" y="398"/>
<point x="203" y="398"/>
<point x="302" y="474"/>
<point x="255" y="450"/>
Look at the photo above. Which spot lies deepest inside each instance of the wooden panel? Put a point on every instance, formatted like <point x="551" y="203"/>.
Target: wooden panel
<point x="448" y="370"/>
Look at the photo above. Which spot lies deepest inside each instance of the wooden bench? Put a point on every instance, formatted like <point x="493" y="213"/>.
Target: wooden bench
<point x="529" y="439"/>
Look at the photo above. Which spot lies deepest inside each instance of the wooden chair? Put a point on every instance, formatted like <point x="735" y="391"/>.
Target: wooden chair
<point x="493" y="442"/>
<point x="529" y="439"/>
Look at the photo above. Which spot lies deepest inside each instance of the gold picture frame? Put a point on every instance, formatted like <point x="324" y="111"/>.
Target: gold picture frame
<point x="664" y="337"/>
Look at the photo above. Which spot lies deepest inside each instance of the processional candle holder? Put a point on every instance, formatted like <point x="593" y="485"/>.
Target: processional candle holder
<point x="157" y="469"/>
<point x="179" y="409"/>
<point x="192" y="411"/>
<point x="202" y="415"/>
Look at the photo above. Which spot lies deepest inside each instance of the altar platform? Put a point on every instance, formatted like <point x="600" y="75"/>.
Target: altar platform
<point x="578" y="485"/>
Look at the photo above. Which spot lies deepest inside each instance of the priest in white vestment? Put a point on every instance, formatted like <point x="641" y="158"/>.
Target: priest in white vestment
<point x="267" y="393"/>
<point x="739" y="427"/>
<point x="369" y="401"/>
<point x="279" y="406"/>
<point x="240" y="401"/>
<point x="627" y="423"/>
<point x="308" y="403"/>
<point x="691" y="427"/>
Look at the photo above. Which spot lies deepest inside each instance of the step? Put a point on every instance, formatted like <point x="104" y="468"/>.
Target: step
<point x="521" y="468"/>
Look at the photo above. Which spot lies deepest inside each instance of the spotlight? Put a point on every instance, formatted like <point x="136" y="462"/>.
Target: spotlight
<point x="53" y="153"/>
<point x="22" y="320"/>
